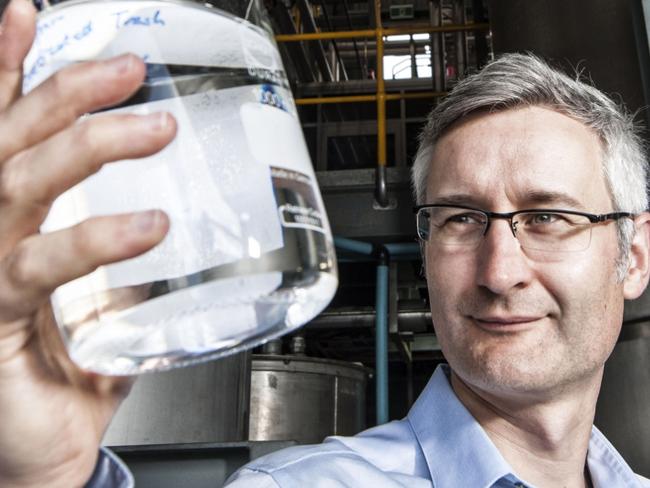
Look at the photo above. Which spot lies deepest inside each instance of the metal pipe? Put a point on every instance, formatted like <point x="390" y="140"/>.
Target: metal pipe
<point x="381" y="193"/>
<point x="388" y="31"/>
<point x="414" y="63"/>
<point x="381" y="337"/>
<point x="403" y="248"/>
<point x="442" y="49"/>
<point x="416" y="321"/>
<point x="358" y="247"/>
<point x="381" y="185"/>
<point x="382" y="254"/>
<point x="459" y="16"/>
<point x="436" y="71"/>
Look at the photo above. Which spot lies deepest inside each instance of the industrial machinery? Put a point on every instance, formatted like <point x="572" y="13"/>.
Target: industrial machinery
<point x="305" y="399"/>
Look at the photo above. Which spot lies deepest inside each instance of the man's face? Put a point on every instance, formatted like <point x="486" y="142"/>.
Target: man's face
<point x="508" y="323"/>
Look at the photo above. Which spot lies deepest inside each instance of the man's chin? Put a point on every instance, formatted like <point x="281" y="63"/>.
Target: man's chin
<point x="506" y="376"/>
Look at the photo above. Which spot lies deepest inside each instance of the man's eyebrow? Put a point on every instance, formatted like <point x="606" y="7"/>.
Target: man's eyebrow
<point x="529" y="198"/>
<point x="555" y="198"/>
<point x="456" y="199"/>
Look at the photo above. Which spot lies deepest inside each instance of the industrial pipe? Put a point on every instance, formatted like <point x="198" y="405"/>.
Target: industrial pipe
<point x="381" y="253"/>
<point x="381" y="336"/>
<point x="409" y="320"/>
<point x="403" y="248"/>
<point x="358" y="247"/>
<point x="381" y="191"/>
<point x="381" y="186"/>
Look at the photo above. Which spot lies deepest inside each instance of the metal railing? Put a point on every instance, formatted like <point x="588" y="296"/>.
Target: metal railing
<point x="407" y="63"/>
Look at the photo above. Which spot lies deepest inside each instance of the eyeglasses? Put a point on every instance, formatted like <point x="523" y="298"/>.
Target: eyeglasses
<point x="547" y="230"/>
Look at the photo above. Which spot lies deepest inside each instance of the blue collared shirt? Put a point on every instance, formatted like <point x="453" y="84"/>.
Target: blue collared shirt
<point x="439" y="444"/>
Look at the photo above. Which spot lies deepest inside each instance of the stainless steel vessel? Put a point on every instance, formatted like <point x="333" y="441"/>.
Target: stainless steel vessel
<point x="203" y="403"/>
<point x="305" y="399"/>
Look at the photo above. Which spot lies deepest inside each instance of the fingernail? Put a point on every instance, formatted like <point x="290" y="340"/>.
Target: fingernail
<point x="121" y="64"/>
<point x="157" y="121"/>
<point x="144" y="222"/>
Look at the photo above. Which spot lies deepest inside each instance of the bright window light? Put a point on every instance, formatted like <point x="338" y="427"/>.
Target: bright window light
<point x="424" y="65"/>
<point x="399" y="67"/>
<point x="400" y="37"/>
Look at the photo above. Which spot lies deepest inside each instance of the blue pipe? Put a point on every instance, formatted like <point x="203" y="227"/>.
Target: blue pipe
<point x="401" y="248"/>
<point x="382" y="254"/>
<point x="381" y="337"/>
<point x="359" y="247"/>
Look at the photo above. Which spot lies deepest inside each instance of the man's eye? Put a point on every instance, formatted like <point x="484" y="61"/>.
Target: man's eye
<point x="544" y="219"/>
<point x="465" y="218"/>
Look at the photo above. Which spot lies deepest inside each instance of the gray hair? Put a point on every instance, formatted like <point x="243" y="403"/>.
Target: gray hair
<point x="516" y="80"/>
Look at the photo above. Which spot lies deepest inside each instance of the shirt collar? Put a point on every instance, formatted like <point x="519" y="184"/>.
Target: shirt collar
<point x="606" y="466"/>
<point x="450" y="436"/>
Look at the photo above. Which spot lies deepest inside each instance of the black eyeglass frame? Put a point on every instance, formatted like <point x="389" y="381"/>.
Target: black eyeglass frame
<point x="593" y="218"/>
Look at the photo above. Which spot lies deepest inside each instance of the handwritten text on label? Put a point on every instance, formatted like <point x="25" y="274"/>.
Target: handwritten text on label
<point x="45" y="54"/>
<point x="125" y="19"/>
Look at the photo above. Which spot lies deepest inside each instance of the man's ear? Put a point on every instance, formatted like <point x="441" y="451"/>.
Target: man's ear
<point x="638" y="273"/>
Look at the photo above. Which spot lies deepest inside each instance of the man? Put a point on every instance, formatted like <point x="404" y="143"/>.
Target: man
<point x="532" y="193"/>
<point x="532" y="218"/>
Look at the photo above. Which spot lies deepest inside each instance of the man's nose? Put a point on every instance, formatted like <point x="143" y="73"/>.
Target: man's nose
<point x="502" y="264"/>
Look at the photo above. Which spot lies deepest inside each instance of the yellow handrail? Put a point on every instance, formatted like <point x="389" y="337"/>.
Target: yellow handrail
<point x="366" y="98"/>
<point x="388" y="31"/>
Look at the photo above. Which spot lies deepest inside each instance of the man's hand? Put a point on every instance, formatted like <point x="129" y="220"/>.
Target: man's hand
<point x="53" y="415"/>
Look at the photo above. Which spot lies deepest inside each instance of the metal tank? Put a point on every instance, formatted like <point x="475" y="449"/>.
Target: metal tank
<point x="305" y="399"/>
<point x="203" y="403"/>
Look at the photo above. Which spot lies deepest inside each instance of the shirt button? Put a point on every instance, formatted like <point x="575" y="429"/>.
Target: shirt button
<point x="519" y="485"/>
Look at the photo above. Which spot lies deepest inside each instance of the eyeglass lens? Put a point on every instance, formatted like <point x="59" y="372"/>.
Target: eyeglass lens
<point x="538" y="230"/>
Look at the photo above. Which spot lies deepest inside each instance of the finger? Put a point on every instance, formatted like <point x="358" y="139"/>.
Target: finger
<point x="62" y="98"/>
<point x="16" y="36"/>
<point x="30" y="181"/>
<point x="40" y="263"/>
